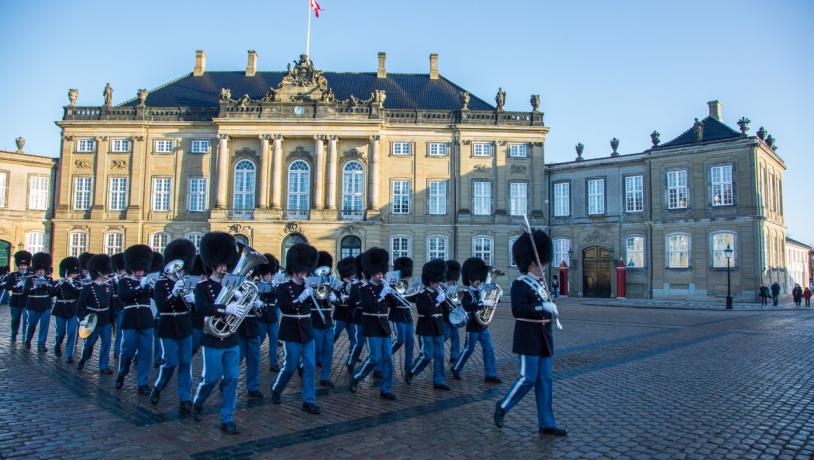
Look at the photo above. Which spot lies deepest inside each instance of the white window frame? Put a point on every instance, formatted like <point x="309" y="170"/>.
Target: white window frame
<point x="630" y="241"/>
<point x="437" y="197"/>
<point x="4" y="175"/>
<point x="158" y="241"/>
<point x="678" y="188"/>
<point x="77" y="243"/>
<point x="512" y="239"/>
<point x="199" y="146"/>
<point x="299" y="200"/>
<point x="721" y="185"/>
<point x="561" y="247"/>
<point x="195" y="237"/>
<point x="163" y="145"/>
<point x="113" y="243"/>
<point x="117" y="194"/>
<point x="674" y="252"/>
<point x="121" y="145"/>
<point x="482" y="149"/>
<point x="401" y="246"/>
<point x="35" y="241"/>
<point x="197" y="188"/>
<point x="634" y="193"/>
<point x="481" y="198"/>
<point x="85" y="145"/>
<point x="518" y="204"/>
<point x="353" y="186"/>
<point x="401" y="196"/>
<point x="349" y="251"/>
<point x="401" y="148"/>
<point x="438" y="149"/>
<point x="38" y="189"/>
<point x="562" y="201"/>
<point x="483" y="247"/>
<point x="244" y="185"/>
<point x="433" y="244"/>
<point x="159" y="196"/>
<point x="518" y="150"/>
<point x="596" y="196"/>
<point x="717" y="254"/>
<point x="82" y="193"/>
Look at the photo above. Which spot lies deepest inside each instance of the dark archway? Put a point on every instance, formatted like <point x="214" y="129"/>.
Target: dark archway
<point x="351" y="246"/>
<point x="596" y="272"/>
<point x="289" y="241"/>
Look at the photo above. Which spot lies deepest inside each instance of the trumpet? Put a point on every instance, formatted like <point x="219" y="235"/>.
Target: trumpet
<point x="173" y="272"/>
<point x="401" y="288"/>
<point x="322" y="290"/>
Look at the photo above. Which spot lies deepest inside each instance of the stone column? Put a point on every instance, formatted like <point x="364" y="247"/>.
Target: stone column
<point x="319" y="173"/>
<point x="264" y="171"/>
<point x="100" y="175"/>
<point x="223" y="171"/>
<point x="332" y="172"/>
<point x="277" y="187"/>
<point x="373" y="173"/>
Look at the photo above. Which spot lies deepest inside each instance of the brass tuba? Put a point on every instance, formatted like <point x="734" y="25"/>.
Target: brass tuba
<point x="242" y="292"/>
<point x="323" y="290"/>
<point x="173" y="272"/>
<point x="489" y="291"/>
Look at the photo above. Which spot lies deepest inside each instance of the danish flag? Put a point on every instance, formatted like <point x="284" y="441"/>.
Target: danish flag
<point x="315" y="6"/>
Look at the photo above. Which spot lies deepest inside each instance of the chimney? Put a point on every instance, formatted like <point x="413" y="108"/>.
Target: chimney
<point x="715" y="110"/>
<point x="251" y="67"/>
<point x="200" y="63"/>
<point x="381" y="72"/>
<point x="434" y="66"/>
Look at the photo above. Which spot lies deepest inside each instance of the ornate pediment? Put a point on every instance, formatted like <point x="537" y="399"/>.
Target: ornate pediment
<point x="115" y="228"/>
<point x="293" y="227"/>
<point x="246" y="152"/>
<point x="517" y="169"/>
<point x="302" y="83"/>
<point x="597" y="236"/>
<point x="118" y="164"/>
<point x="82" y="164"/>
<point x="300" y="153"/>
<point x="481" y="168"/>
<point x="79" y="228"/>
<point x="354" y="154"/>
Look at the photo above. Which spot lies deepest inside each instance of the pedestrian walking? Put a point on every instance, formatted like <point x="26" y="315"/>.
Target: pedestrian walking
<point x="775" y="293"/>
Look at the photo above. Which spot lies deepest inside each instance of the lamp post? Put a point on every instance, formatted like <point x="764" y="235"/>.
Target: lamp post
<point x="728" y="251"/>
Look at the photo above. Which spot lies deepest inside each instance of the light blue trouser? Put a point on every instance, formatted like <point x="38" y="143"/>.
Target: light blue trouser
<point x="141" y="341"/>
<point x="379" y="357"/>
<point x="156" y="346"/>
<point x="454" y="336"/>
<point x="104" y="352"/>
<point x="176" y="353"/>
<point x="535" y="371"/>
<point x="70" y="326"/>
<point x="220" y="363"/>
<point x="196" y="340"/>
<point x="432" y="348"/>
<point x="324" y="351"/>
<point x="118" y="340"/>
<point x="16" y="316"/>
<point x="485" y="339"/>
<point x="250" y="351"/>
<point x="340" y="326"/>
<point x="294" y="352"/>
<point x="33" y="318"/>
<point x="405" y="335"/>
<point x="271" y="330"/>
<point x="356" y="347"/>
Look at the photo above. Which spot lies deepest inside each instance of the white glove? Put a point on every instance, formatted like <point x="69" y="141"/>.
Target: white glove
<point x="488" y="303"/>
<point x="550" y="308"/>
<point x="177" y="287"/>
<point x="259" y="303"/>
<point x="20" y="284"/>
<point x="344" y="297"/>
<point x="305" y="294"/>
<point x="232" y="309"/>
<point x="190" y="298"/>
<point x="440" y="297"/>
<point x="332" y="298"/>
<point x="385" y="291"/>
<point x="144" y="282"/>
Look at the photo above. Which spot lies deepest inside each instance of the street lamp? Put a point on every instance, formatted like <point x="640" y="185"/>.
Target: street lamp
<point x="728" y="251"/>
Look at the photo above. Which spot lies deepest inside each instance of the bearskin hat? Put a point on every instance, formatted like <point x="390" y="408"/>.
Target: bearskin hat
<point x="157" y="264"/>
<point x="180" y="249"/>
<point x="474" y="269"/>
<point x="218" y="248"/>
<point x="523" y="252"/>
<point x="434" y="271"/>
<point x="453" y="270"/>
<point x="41" y="261"/>
<point x="138" y="257"/>
<point x="345" y="267"/>
<point x="197" y="266"/>
<point x="83" y="260"/>
<point x="22" y="257"/>
<point x="100" y="265"/>
<point x="325" y="259"/>
<point x="301" y="258"/>
<point x="67" y="266"/>
<point x="375" y="260"/>
<point x="118" y="262"/>
<point x="357" y="265"/>
<point x="4" y="270"/>
<point x="405" y="266"/>
<point x="272" y="267"/>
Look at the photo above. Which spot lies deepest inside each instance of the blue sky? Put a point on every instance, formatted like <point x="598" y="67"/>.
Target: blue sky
<point x="603" y="69"/>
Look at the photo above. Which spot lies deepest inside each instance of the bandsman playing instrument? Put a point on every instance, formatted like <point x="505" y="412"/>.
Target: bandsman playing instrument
<point x="475" y="271"/>
<point x="355" y="307"/>
<point x="135" y="292"/>
<point x="39" y="291"/>
<point x="15" y="282"/>
<point x="452" y="333"/>
<point x="431" y="304"/>
<point x="376" y="298"/>
<point x="249" y="344"/>
<point x="197" y="318"/>
<point x="533" y="341"/>
<point x="67" y="293"/>
<point x="324" y="327"/>
<point x="343" y="318"/>
<point x="84" y="258"/>
<point x="269" y="323"/>
<point x="119" y="272"/>
<point x="156" y="269"/>
<point x="221" y="356"/>
<point x="175" y="328"/>
<point x="295" y="300"/>
<point x="95" y="300"/>
<point x="401" y="315"/>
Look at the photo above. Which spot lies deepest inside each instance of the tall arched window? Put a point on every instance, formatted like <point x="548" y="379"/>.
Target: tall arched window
<point x="353" y="186"/>
<point x="299" y="182"/>
<point x="721" y="241"/>
<point x="244" y="184"/>
<point x="482" y="248"/>
<point x="351" y="246"/>
<point x="561" y="248"/>
<point x="158" y="241"/>
<point x="114" y="243"/>
<point x="289" y="241"/>
<point x="77" y="243"/>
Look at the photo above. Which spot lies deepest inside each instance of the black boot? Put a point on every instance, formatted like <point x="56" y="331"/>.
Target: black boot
<point x="119" y="382"/>
<point x="499" y="415"/>
<point x="275" y="397"/>
<point x="185" y="407"/>
<point x="155" y="396"/>
<point x="80" y="365"/>
<point x="255" y="394"/>
<point x="58" y="352"/>
<point x="143" y="390"/>
<point x="311" y="408"/>
<point x="327" y="384"/>
<point x="229" y="428"/>
<point x="197" y="412"/>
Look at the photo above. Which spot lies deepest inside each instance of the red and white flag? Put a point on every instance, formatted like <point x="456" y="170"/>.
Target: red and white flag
<point x="315" y="6"/>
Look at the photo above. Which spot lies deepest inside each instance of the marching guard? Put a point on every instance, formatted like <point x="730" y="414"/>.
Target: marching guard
<point x="39" y="290"/>
<point x="355" y="350"/>
<point x="324" y="328"/>
<point x="401" y="315"/>
<point x="197" y="319"/>
<point x="343" y="318"/>
<point x="268" y="322"/>
<point x="533" y="340"/>
<point x="431" y="303"/>
<point x="67" y="293"/>
<point x="156" y="270"/>
<point x="175" y="328"/>
<point x="135" y="293"/>
<point x="15" y="282"/>
<point x="119" y="272"/>
<point x="249" y="345"/>
<point x="95" y="300"/>
<point x="451" y="332"/>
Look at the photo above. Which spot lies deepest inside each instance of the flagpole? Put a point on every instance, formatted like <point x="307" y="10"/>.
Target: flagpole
<point x="308" y="33"/>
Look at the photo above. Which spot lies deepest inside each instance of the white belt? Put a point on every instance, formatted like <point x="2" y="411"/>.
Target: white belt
<point x="434" y="315"/>
<point x="402" y="307"/>
<point x="374" y="314"/>
<point x="38" y="296"/>
<point x="66" y="300"/>
<point x="98" y="309"/>
<point x="172" y="313"/>
<point x="286" y="315"/>
<point x="16" y="293"/>
<point x="127" y="307"/>
<point x="539" y="321"/>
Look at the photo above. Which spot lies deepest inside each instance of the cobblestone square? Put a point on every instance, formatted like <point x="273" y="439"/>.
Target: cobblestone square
<point x="629" y="383"/>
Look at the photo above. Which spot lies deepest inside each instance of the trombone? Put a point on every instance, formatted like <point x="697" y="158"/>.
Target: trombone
<point x="173" y="272"/>
<point x="321" y="288"/>
<point x="399" y="286"/>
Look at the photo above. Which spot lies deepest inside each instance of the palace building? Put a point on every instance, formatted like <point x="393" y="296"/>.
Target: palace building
<point x="416" y="164"/>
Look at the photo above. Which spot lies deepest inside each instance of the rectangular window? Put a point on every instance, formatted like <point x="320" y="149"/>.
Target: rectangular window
<point x="678" y="251"/>
<point x="120" y="145"/>
<point x="482" y="248"/>
<point x="82" y="190"/>
<point x="35" y="242"/>
<point x="596" y="196"/>
<point x="562" y="199"/>
<point x="200" y="146"/>
<point x="77" y="243"/>
<point x="482" y="205"/>
<point x="161" y="194"/>
<point x="3" y="188"/>
<point x="163" y="146"/>
<point x="437" y="197"/>
<point x="436" y="248"/>
<point x="86" y="145"/>
<point x="634" y="251"/>
<point x="438" y="149"/>
<point x="158" y="241"/>
<point x="519" y="150"/>
<point x="38" y="193"/>
<point x="634" y="194"/>
<point x="518" y="198"/>
<point x="677" y="190"/>
<point x="720" y="242"/>
<point x="196" y="200"/>
<point x="196" y="240"/>
<point x="511" y="257"/>
<point x="118" y="194"/>
<point x="561" y="248"/>
<point x="399" y="247"/>
<point x="114" y="243"/>
<point x="401" y="148"/>
<point x="721" y="180"/>
<point x="482" y="149"/>
<point x="401" y="197"/>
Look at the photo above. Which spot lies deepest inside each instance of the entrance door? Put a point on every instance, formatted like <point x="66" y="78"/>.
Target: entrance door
<point x="596" y="272"/>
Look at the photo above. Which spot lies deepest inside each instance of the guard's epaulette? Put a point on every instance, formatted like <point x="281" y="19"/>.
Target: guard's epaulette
<point x="202" y="280"/>
<point x="520" y="278"/>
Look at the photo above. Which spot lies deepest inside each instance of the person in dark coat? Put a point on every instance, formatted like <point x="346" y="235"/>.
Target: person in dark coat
<point x="775" y="293"/>
<point x="807" y="296"/>
<point x="15" y="282"/>
<point x="451" y="332"/>
<point x="533" y="341"/>
<point x="269" y="323"/>
<point x="39" y="292"/>
<point x="67" y="292"/>
<point x="797" y="295"/>
<point x="119" y="272"/>
<point x="155" y="271"/>
<point x="764" y="295"/>
<point x="402" y="315"/>
<point x="324" y="327"/>
<point x="357" y="346"/>
<point x="197" y="319"/>
<point x="431" y="305"/>
<point x="96" y="298"/>
<point x="138" y="325"/>
<point x="343" y="316"/>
